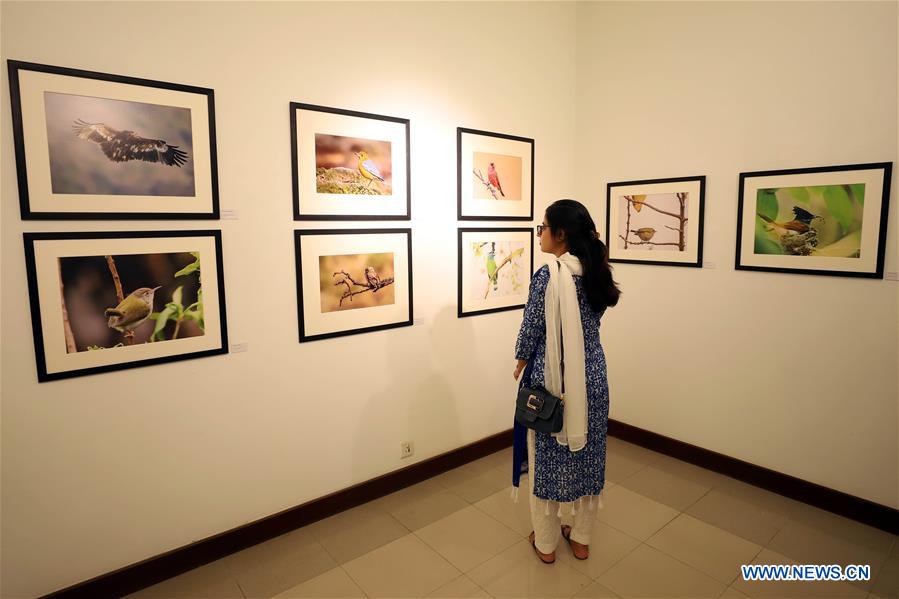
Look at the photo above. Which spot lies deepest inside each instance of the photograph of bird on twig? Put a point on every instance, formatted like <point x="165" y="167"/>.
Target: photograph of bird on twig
<point x="496" y="177"/>
<point x="115" y="147"/>
<point x="122" y="300"/>
<point x="495" y="269"/>
<point x="819" y="220"/>
<point x="352" y="165"/>
<point x="352" y="281"/>
<point x="653" y="221"/>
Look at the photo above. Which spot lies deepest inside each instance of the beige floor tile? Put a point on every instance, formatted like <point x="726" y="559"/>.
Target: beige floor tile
<point x="482" y="485"/>
<point x="633" y="451"/>
<point x="407" y="567"/>
<point x="419" y="505"/>
<point x="789" y="589"/>
<point x="886" y="580"/>
<point x="499" y="459"/>
<point x="518" y="573"/>
<point x="608" y="546"/>
<point x="692" y="472"/>
<point x="355" y="532"/>
<point x="767" y="500"/>
<point x="634" y="514"/>
<point x="597" y="591"/>
<point x="820" y="544"/>
<point x="665" y="487"/>
<point x="738" y="516"/>
<point x="468" y="538"/>
<point x="619" y="467"/>
<point x="213" y="580"/>
<point x="707" y="548"/>
<point x="333" y="584"/>
<point x="269" y="568"/>
<point x="732" y="593"/>
<point x="460" y="588"/>
<point x="648" y="572"/>
<point x="845" y="528"/>
<point x="500" y="506"/>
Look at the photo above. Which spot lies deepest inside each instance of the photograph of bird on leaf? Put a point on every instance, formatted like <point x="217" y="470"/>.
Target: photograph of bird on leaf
<point x="352" y="165"/>
<point x="819" y="220"/>
<point x="352" y="281"/>
<point x="116" y="147"/>
<point x="496" y="176"/>
<point x="648" y="220"/>
<point x="496" y="269"/>
<point x="110" y="301"/>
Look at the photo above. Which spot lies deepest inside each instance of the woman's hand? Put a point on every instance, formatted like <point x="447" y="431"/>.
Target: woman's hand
<point x="518" y="368"/>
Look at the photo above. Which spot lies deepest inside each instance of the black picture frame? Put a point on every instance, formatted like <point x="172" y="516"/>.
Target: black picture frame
<point x="699" y="180"/>
<point x="304" y="335"/>
<point x="881" y="235"/>
<point x="460" y="131"/>
<point x="26" y="211"/>
<point x="36" y="316"/>
<point x="460" y="313"/>
<point x="298" y="215"/>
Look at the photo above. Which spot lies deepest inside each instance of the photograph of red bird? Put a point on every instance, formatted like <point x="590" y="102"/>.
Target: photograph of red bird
<point x="494" y="179"/>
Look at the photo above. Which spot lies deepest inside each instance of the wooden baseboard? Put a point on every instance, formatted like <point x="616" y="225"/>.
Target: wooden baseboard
<point x="850" y="506"/>
<point x="162" y="567"/>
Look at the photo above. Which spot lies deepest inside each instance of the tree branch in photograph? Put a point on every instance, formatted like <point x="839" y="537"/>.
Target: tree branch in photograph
<point x="682" y="219"/>
<point x="486" y="183"/>
<point x="71" y="348"/>
<point x="649" y="242"/>
<point x="347" y="279"/>
<point x="127" y="336"/>
<point x="506" y="260"/>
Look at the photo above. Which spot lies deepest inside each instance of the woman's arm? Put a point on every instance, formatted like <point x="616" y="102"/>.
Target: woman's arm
<point x="533" y="324"/>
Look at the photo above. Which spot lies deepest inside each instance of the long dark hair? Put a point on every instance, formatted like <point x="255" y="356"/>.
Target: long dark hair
<point x="583" y="241"/>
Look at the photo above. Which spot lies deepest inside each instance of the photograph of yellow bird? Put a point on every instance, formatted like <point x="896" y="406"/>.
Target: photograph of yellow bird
<point x="644" y="233"/>
<point x="352" y="165"/>
<point x="367" y="168"/>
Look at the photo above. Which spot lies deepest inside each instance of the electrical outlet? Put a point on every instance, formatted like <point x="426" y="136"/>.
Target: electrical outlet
<point x="407" y="449"/>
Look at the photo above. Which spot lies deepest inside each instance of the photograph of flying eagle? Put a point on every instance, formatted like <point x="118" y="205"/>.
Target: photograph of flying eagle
<point x="122" y="146"/>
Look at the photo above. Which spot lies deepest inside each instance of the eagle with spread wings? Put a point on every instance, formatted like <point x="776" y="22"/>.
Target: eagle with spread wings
<point x="121" y="146"/>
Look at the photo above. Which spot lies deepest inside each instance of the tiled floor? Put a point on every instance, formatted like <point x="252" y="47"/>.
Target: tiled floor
<point x="668" y="529"/>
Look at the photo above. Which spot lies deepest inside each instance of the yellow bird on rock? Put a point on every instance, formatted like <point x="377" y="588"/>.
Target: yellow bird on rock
<point x="367" y="167"/>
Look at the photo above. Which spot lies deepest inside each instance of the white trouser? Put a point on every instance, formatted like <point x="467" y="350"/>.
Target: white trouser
<point x="545" y="514"/>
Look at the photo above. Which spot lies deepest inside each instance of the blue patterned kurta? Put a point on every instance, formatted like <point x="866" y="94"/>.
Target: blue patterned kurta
<point x="559" y="474"/>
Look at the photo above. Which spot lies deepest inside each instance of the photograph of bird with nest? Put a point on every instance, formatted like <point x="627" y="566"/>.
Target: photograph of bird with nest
<point x="826" y="220"/>
<point x="495" y="267"/>
<point x="352" y="281"/>
<point x="495" y="175"/>
<point x="656" y="221"/>
<point x="102" y="301"/>
<point x="349" y="165"/>
<point x="102" y="146"/>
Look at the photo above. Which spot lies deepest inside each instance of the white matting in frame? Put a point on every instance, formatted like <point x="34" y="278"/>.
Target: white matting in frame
<point x="44" y="251"/>
<point x="307" y="121"/>
<point x="513" y="257"/>
<point x="32" y="89"/>
<point x="311" y="245"/>
<point x="871" y="241"/>
<point x="519" y="206"/>
<point x="658" y="224"/>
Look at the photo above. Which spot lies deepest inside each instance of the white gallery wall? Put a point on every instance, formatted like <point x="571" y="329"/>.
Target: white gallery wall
<point x="789" y="372"/>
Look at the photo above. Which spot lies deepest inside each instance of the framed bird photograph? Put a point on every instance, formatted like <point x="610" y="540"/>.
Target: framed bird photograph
<point x="349" y="165"/>
<point x="99" y="146"/>
<point x="656" y="221"/>
<point x="107" y="301"/>
<point x="494" y="176"/>
<point x="495" y="267"/>
<point x="352" y="281"/>
<point x="828" y="220"/>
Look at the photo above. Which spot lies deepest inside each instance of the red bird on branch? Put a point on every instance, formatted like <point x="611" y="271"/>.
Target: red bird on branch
<point x="494" y="179"/>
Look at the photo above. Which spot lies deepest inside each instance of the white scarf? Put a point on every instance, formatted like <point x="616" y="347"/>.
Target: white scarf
<point x="562" y="290"/>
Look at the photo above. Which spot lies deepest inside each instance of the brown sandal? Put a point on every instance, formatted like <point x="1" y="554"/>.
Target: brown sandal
<point x="552" y="556"/>
<point x="566" y="533"/>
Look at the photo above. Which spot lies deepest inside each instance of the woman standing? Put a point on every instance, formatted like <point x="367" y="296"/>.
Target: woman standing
<point x="571" y="293"/>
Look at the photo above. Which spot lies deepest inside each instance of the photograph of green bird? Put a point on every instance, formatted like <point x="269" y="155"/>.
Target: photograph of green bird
<point x="498" y="268"/>
<point x="100" y="313"/>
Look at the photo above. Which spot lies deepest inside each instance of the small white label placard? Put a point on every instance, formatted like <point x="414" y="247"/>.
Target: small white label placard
<point x="708" y="264"/>
<point x="237" y="348"/>
<point x="891" y="276"/>
<point x="229" y="214"/>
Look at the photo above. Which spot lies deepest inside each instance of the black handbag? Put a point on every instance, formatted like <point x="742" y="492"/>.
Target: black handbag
<point x="537" y="408"/>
